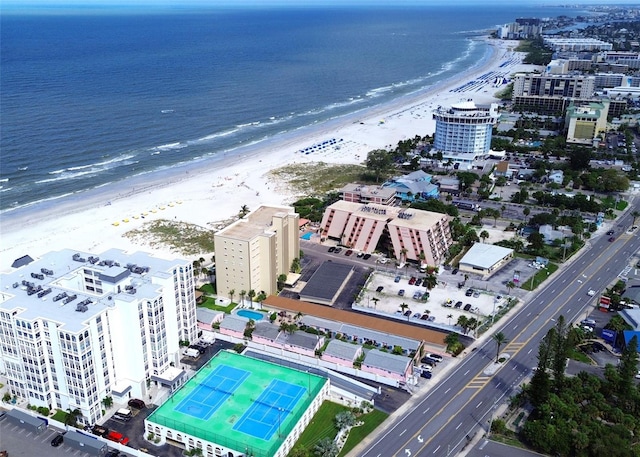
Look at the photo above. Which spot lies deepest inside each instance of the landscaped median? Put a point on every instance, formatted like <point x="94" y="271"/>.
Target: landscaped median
<point x="539" y="277"/>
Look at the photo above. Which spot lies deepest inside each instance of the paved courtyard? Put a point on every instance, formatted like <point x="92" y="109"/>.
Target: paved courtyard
<point x="444" y="305"/>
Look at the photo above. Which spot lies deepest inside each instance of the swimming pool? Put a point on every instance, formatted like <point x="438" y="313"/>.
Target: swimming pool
<point x="307" y="236"/>
<point x="250" y="314"/>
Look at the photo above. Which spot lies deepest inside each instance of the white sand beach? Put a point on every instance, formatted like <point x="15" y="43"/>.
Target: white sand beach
<point x="207" y="193"/>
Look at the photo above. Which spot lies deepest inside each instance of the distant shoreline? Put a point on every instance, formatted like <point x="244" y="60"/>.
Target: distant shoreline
<point x="204" y="191"/>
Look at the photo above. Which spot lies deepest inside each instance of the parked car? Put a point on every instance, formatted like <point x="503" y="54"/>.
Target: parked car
<point x="426" y="374"/>
<point x="417" y="295"/>
<point x="467" y="307"/>
<point x="379" y="288"/>
<point x="424" y="317"/>
<point x="469" y="292"/>
<point x="416" y="315"/>
<point x="425" y="367"/>
<point x="349" y="252"/>
<point x="401" y="292"/>
<point x="458" y="304"/>
<point x="359" y="254"/>
<point x="407" y="313"/>
<point x="57" y="440"/>
<point x="338" y="250"/>
<point x="428" y="361"/>
<point x="454" y="271"/>
<point x="419" y="282"/>
<point x="366" y="256"/>
<point x="332" y="249"/>
<point x="136" y="403"/>
<point x="397" y="279"/>
<point x="476" y="294"/>
<point x="432" y="356"/>
<point x="412" y="281"/>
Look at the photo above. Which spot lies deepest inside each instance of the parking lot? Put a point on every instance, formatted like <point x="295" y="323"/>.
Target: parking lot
<point x="19" y="441"/>
<point x="443" y="305"/>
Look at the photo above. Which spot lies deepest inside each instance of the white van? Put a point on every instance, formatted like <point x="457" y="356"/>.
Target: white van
<point x="123" y="414"/>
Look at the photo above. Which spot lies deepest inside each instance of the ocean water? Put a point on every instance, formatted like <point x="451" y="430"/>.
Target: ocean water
<point x="92" y="99"/>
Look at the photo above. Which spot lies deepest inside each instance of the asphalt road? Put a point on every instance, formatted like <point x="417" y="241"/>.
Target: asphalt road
<point x="460" y="407"/>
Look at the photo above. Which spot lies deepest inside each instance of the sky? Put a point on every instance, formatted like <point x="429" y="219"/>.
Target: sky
<point x="36" y="6"/>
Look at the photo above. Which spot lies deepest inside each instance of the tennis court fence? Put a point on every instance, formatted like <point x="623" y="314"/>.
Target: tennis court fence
<point x="217" y="438"/>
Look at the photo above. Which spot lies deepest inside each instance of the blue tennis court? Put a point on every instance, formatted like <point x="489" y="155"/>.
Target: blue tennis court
<point x="211" y="392"/>
<point x="270" y="409"/>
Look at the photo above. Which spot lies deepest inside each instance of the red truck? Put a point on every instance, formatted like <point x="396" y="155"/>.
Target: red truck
<point x="117" y="437"/>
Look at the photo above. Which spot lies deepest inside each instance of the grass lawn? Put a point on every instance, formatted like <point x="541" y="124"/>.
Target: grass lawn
<point x="371" y="421"/>
<point x="322" y="425"/>
<point x="208" y="289"/>
<point x="539" y="277"/>
<point x="210" y="303"/>
<point x="580" y="356"/>
<point x="60" y="416"/>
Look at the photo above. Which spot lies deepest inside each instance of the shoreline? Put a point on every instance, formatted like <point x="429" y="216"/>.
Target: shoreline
<point x="204" y="191"/>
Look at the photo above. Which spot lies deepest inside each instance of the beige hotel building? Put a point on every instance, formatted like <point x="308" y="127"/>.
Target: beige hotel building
<point x="408" y="232"/>
<point x="252" y="252"/>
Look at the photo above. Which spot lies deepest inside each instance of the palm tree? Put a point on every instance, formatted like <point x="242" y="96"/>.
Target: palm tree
<point x="463" y="322"/>
<point x="232" y="292"/>
<point x="449" y="316"/>
<point x="72" y="416"/>
<point x="510" y="285"/>
<point x="403" y="255"/>
<point x="484" y="235"/>
<point x="403" y="307"/>
<point x="375" y="302"/>
<point x="251" y="294"/>
<point x="430" y="281"/>
<point x="242" y="295"/>
<point x="244" y="209"/>
<point x="261" y="297"/>
<point x="500" y="339"/>
<point x="107" y="402"/>
<point x="248" y="329"/>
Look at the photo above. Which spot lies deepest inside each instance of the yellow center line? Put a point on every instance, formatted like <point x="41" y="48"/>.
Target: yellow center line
<point x="469" y="384"/>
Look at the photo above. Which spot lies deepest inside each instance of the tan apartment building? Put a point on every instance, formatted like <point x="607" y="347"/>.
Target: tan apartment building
<point x="584" y="123"/>
<point x="252" y="252"/>
<point x="415" y="235"/>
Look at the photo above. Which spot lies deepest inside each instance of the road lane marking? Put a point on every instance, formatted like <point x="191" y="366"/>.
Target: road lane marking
<point x="479" y="382"/>
<point x="437" y="449"/>
<point x="403" y="432"/>
<point x="459" y="425"/>
<point x="478" y="405"/>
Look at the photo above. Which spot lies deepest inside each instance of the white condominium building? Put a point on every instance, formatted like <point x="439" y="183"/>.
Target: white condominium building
<point x="252" y="252"/>
<point x="76" y="328"/>
<point x="463" y="132"/>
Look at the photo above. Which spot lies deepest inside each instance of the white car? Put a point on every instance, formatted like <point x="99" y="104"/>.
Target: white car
<point x="638" y="375"/>
<point x="591" y="293"/>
